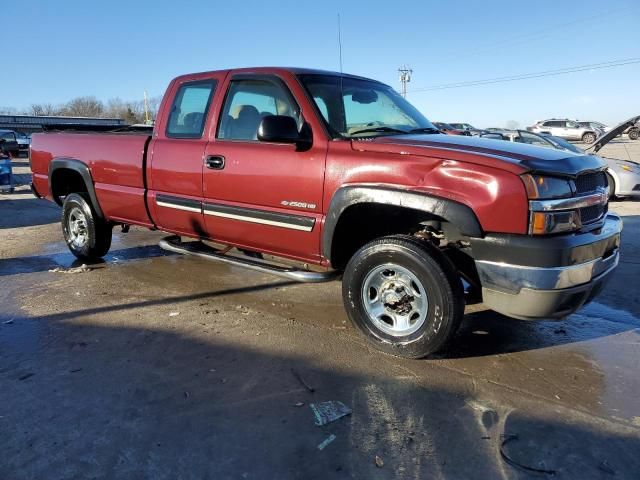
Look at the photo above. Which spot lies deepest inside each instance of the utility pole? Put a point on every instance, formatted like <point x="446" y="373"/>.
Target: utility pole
<point x="405" y="77"/>
<point x="147" y="120"/>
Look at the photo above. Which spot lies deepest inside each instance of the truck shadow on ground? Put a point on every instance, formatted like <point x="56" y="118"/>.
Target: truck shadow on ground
<point x="66" y="260"/>
<point x="26" y="212"/>
<point x="98" y="401"/>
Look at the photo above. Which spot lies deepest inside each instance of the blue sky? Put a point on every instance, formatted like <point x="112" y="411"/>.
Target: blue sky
<point x="110" y="49"/>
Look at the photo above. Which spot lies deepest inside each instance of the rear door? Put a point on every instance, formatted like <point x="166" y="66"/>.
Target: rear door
<point x="177" y="152"/>
<point x="258" y="195"/>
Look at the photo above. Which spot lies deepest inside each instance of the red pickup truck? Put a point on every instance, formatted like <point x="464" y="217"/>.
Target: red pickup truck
<point x="342" y="175"/>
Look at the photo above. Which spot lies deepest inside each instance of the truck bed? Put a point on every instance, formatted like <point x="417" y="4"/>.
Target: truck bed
<point x="116" y="161"/>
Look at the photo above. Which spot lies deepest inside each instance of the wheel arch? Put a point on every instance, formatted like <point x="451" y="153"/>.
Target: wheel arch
<point x="414" y="205"/>
<point x="616" y="180"/>
<point x="70" y="175"/>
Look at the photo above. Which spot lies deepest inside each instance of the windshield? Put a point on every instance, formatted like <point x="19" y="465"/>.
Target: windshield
<point x="354" y="108"/>
<point x="8" y="136"/>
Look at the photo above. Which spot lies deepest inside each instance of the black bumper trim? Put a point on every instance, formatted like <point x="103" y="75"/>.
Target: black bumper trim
<point x="546" y="252"/>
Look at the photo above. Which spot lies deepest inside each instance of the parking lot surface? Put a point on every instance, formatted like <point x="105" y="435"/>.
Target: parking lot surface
<point x="152" y="365"/>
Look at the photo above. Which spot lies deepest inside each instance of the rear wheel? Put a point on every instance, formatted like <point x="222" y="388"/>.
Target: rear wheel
<point x="404" y="295"/>
<point x="87" y="236"/>
<point x="634" y="134"/>
<point x="589" y="137"/>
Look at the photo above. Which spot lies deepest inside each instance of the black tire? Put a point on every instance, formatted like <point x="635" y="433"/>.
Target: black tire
<point x="589" y="138"/>
<point x="438" y="278"/>
<point x="95" y="240"/>
<point x="634" y="133"/>
<point x="612" y="186"/>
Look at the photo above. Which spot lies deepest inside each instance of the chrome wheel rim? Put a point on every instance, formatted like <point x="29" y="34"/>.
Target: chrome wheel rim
<point x="395" y="300"/>
<point x="77" y="228"/>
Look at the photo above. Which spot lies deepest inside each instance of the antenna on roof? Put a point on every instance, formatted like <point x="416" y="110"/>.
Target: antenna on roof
<point x="340" y="42"/>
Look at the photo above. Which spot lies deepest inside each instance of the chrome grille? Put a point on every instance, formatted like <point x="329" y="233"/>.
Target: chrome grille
<point x="590" y="182"/>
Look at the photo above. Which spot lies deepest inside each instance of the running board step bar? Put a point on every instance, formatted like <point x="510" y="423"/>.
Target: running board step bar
<point x="199" y="249"/>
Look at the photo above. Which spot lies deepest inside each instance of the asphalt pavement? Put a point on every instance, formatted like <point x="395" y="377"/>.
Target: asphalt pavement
<point x="151" y="365"/>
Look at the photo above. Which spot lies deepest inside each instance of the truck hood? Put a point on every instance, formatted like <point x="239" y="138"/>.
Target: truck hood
<point x="490" y="152"/>
<point x="613" y="133"/>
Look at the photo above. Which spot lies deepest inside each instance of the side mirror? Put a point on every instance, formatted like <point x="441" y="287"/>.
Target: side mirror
<point x="278" y="129"/>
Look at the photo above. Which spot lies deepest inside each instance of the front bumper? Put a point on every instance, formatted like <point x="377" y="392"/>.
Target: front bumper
<point x="530" y="277"/>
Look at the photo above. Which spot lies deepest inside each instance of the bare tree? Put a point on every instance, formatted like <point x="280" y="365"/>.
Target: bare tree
<point x="42" y="109"/>
<point x="83" y="107"/>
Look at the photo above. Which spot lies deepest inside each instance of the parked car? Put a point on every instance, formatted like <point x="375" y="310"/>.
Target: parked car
<point x="450" y="129"/>
<point x="23" y="142"/>
<point x="623" y="176"/>
<point x="567" y="129"/>
<point x="6" y="172"/>
<point x="10" y="143"/>
<point x="595" y="125"/>
<point x="468" y="128"/>
<point x="341" y="175"/>
<point x="633" y="131"/>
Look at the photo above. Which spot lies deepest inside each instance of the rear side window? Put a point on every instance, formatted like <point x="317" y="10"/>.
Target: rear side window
<point x="189" y="110"/>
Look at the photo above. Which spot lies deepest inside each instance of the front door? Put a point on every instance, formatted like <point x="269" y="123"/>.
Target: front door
<point x="257" y="195"/>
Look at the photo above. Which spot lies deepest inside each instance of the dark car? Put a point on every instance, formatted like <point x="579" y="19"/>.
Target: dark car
<point x="467" y="127"/>
<point x="10" y="143"/>
<point x="450" y="129"/>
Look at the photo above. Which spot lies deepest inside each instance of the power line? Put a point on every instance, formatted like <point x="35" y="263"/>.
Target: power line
<point x="540" y="33"/>
<point x="525" y="76"/>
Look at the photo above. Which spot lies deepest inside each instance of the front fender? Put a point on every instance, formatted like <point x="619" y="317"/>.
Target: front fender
<point x="454" y="212"/>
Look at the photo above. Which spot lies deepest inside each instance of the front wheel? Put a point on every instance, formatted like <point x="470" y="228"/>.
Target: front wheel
<point x="589" y="138"/>
<point x="87" y="236"/>
<point x="634" y="134"/>
<point x="404" y="295"/>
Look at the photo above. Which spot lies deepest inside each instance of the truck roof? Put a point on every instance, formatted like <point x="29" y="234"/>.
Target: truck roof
<point x="272" y="70"/>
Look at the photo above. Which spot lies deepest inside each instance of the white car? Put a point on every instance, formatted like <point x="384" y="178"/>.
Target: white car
<point x="567" y="129"/>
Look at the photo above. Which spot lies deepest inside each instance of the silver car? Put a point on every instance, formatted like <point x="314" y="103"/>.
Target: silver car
<point x="623" y="176"/>
<point x="567" y="129"/>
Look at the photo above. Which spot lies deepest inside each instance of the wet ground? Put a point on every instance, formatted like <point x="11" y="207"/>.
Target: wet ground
<point x="160" y="366"/>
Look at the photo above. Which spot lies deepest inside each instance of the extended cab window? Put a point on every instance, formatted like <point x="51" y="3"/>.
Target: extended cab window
<point x="248" y="102"/>
<point x="189" y="109"/>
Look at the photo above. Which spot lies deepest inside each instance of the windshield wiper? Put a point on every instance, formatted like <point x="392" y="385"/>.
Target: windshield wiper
<point x="424" y="130"/>
<point x="379" y="130"/>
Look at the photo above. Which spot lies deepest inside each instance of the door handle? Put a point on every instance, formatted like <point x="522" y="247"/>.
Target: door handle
<point x="215" y="162"/>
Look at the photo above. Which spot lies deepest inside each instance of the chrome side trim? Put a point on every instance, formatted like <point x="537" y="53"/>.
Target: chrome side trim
<point x="263" y="217"/>
<point x="258" y="220"/>
<point x="178" y="207"/>
<point x="600" y="197"/>
<point x="513" y="278"/>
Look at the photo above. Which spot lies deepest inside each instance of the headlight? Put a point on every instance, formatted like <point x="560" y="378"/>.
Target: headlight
<point x="542" y="221"/>
<point x="539" y="187"/>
